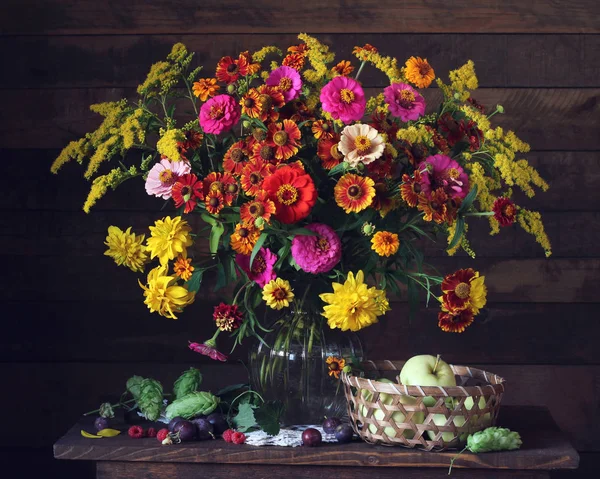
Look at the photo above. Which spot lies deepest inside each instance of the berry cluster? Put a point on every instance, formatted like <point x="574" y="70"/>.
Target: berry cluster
<point x="234" y="437"/>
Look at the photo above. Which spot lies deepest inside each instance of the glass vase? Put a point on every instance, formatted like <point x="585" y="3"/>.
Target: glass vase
<point x="290" y="365"/>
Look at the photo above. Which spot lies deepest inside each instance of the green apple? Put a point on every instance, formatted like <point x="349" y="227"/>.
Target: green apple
<point x="440" y="420"/>
<point x="398" y="417"/>
<point x="384" y="397"/>
<point x="486" y="419"/>
<point x="427" y="370"/>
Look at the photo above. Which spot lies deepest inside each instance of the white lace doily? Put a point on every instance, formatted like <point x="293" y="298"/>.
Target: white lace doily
<point x="289" y="436"/>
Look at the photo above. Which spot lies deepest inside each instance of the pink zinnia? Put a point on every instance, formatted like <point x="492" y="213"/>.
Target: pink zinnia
<point x="404" y="101"/>
<point x="344" y="99"/>
<point x="208" y="348"/>
<point x="287" y="80"/>
<point x="164" y="175"/>
<point x="219" y="114"/>
<point x="441" y="171"/>
<point x="262" y="267"/>
<point x="317" y="254"/>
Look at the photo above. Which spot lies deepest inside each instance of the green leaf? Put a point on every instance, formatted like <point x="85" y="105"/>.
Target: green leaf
<point x="303" y="232"/>
<point x="193" y="284"/>
<point x="282" y="254"/>
<point x="188" y="382"/>
<point x="211" y="220"/>
<point x="257" y="247"/>
<point x="460" y="228"/>
<point x="221" y="277"/>
<point x="468" y="201"/>
<point x="244" y="419"/>
<point x="268" y="416"/>
<point x="231" y="388"/>
<point x="215" y="235"/>
<point x="341" y="168"/>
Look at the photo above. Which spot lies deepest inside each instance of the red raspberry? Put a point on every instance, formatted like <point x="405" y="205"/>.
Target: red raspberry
<point x="151" y="432"/>
<point x="227" y="435"/>
<point x="136" y="432"/>
<point x="162" y="434"/>
<point x="238" y="438"/>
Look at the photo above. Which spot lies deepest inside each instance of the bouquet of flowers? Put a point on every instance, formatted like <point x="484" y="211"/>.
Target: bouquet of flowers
<point x="290" y="169"/>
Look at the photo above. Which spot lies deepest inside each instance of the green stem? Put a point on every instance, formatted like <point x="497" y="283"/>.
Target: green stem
<point x="251" y="391"/>
<point x="484" y="213"/>
<point x="239" y="291"/>
<point x="454" y="459"/>
<point x="360" y="69"/>
<point x="190" y="95"/>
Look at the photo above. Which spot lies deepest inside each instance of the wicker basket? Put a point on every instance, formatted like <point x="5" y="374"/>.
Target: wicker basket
<point x="403" y="418"/>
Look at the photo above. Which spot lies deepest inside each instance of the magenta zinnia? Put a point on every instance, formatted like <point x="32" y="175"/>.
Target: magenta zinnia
<point x="344" y="99"/>
<point x="261" y="271"/>
<point x="317" y="254"/>
<point x="441" y="171"/>
<point x="219" y="114"/>
<point x="404" y="101"/>
<point x="287" y="80"/>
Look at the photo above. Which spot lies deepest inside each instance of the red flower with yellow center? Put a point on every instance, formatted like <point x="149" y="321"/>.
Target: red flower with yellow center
<point x="335" y="366"/>
<point x="323" y="129"/>
<point x="271" y="98"/>
<point x="327" y="151"/>
<point x="183" y="268"/>
<point x="187" y="190"/>
<point x="244" y="238"/>
<point x="230" y="188"/>
<point x="213" y="182"/>
<point x="260" y="207"/>
<point x="354" y="193"/>
<point x="455" y="323"/>
<point x="434" y="206"/>
<point x="263" y="152"/>
<point x="230" y="69"/>
<point x="464" y="289"/>
<point x="283" y="137"/>
<point x="214" y="202"/>
<point x="505" y="211"/>
<point x="410" y="189"/>
<point x="252" y="67"/>
<point x="343" y="68"/>
<point x="294" y="60"/>
<point x="236" y="158"/>
<point x="251" y="104"/>
<point x="254" y="174"/>
<point x="293" y="192"/>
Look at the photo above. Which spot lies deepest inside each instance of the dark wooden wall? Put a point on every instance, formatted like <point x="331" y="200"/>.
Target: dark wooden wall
<point x="74" y="325"/>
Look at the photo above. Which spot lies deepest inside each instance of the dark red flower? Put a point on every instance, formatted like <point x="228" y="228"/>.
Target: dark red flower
<point x="187" y="190"/>
<point x="455" y="323"/>
<point x="228" y="317"/>
<point x="505" y="211"/>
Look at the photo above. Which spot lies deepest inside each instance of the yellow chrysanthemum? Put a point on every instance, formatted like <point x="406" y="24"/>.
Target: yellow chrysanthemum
<point x="353" y="305"/>
<point x="385" y="243"/>
<point x="163" y="295"/>
<point x="277" y="293"/>
<point x="169" y="238"/>
<point x="126" y="248"/>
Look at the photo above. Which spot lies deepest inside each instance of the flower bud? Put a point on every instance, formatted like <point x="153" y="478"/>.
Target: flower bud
<point x="246" y="124"/>
<point x="368" y="229"/>
<point x="259" y="222"/>
<point x="457" y="96"/>
<point x="347" y="369"/>
<point x="231" y="88"/>
<point x="500" y="108"/>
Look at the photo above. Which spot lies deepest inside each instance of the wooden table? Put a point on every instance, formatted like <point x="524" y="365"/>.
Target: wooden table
<point x="544" y="448"/>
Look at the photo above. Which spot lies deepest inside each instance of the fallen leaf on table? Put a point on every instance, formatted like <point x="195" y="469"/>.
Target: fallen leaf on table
<point x="109" y="432"/>
<point x="90" y="436"/>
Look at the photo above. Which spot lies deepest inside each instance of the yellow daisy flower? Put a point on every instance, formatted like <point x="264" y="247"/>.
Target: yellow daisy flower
<point x="163" y="295"/>
<point x="169" y="237"/>
<point x="385" y="243"/>
<point x="126" y="248"/>
<point x="277" y="293"/>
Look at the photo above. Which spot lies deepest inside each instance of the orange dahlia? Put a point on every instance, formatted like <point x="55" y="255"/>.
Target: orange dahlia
<point x="229" y="69"/>
<point x="293" y="192"/>
<point x="283" y="137"/>
<point x="323" y="129"/>
<point x="251" y="104"/>
<point x="455" y="323"/>
<point x="410" y="189"/>
<point x="263" y="152"/>
<point x="294" y="60"/>
<point x="434" y="206"/>
<point x="354" y="193"/>
<point x="327" y="151"/>
<point x="254" y="174"/>
<point x="385" y="243"/>
<point x="236" y="158"/>
<point x="271" y="98"/>
<point x="214" y="202"/>
<point x="244" y="238"/>
<point x="205" y="88"/>
<point x="260" y="207"/>
<point x="419" y="72"/>
<point x="343" y="68"/>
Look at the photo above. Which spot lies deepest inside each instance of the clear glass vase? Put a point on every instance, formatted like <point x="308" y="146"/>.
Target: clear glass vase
<point x="291" y="365"/>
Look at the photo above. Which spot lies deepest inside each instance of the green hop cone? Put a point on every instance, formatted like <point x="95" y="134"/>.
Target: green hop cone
<point x="133" y="386"/>
<point x="150" y="401"/>
<point x="106" y="410"/>
<point x="193" y="404"/>
<point x="494" y="439"/>
<point x="188" y="382"/>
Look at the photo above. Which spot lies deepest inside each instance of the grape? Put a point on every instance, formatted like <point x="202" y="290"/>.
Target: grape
<point x="218" y="422"/>
<point x="173" y="422"/>
<point x="311" y="437"/>
<point x="344" y="433"/>
<point x="185" y="430"/>
<point x="101" y="423"/>
<point x="204" y="429"/>
<point x="330" y="424"/>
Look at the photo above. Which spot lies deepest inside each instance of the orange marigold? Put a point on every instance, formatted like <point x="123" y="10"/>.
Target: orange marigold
<point x="343" y="68"/>
<point x="385" y="243"/>
<point x="205" y="88"/>
<point x="419" y="72"/>
<point x="183" y="268"/>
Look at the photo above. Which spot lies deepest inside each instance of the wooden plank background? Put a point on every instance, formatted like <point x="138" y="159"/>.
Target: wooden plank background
<point x="75" y="326"/>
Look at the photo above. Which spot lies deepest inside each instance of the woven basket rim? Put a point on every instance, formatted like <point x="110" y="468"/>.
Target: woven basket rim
<point x="495" y="383"/>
